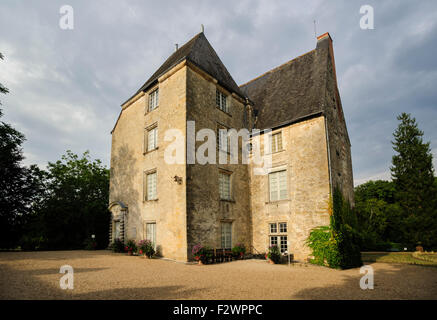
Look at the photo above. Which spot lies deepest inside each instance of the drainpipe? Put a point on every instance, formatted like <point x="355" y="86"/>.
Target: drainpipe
<point x="329" y="156"/>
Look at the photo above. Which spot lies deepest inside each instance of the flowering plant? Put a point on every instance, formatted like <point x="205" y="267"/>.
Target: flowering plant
<point x="239" y="250"/>
<point x="146" y="247"/>
<point x="202" y="253"/>
<point x="131" y="246"/>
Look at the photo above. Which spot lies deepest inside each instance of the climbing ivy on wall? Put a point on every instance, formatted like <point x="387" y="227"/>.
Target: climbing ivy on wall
<point x="337" y="245"/>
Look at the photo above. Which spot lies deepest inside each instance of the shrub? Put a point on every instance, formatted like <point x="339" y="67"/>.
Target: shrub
<point x="202" y="253"/>
<point x="324" y="247"/>
<point x="31" y="243"/>
<point x="90" y="244"/>
<point x="146" y="247"/>
<point x="131" y="246"/>
<point x="117" y="246"/>
<point x="274" y="254"/>
<point x="239" y="250"/>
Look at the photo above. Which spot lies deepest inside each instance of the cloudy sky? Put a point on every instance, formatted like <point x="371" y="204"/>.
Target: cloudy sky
<point x="66" y="86"/>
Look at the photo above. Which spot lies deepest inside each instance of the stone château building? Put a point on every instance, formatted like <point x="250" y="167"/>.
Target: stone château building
<point x="180" y="205"/>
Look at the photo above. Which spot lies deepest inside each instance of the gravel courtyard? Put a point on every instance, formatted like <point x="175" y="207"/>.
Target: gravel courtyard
<point x="106" y="275"/>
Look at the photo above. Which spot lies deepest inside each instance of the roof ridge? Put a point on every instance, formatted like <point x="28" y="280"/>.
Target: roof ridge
<point x="277" y="68"/>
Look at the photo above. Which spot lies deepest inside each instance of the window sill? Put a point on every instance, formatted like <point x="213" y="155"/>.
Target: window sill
<point x="224" y="151"/>
<point x="277" y="201"/>
<point x="148" y="110"/>
<point x="275" y="152"/>
<point x="228" y="200"/>
<point x="150" y="151"/>
<point x="223" y="111"/>
<point x="151" y="200"/>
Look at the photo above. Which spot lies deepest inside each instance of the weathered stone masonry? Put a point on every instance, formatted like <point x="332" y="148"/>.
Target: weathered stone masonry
<point x="299" y="100"/>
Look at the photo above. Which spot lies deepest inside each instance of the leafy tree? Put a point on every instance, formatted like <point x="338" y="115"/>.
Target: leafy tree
<point x="377" y="214"/>
<point x="75" y="206"/>
<point x="19" y="186"/>
<point x="413" y="177"/>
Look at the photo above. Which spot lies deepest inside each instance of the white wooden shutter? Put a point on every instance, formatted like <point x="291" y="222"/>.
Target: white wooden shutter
<point x="273" y="186"/>
<point x="282" y="184"/>
<point x="151" y="186"/>
<point x="152" y="139"/>
<point x="226" y="235"/>
<point x="151" y="232"/>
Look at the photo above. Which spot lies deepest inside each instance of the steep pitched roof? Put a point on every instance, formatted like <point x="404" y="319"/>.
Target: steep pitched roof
<point x="200" y="52"/>
<point x="291" y="91"/>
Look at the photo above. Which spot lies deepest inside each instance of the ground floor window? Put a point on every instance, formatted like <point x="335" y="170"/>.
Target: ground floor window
<point x="151" y="232"/>
<point x="280" y="241"/>
<point x="117" y="233"/>
<point x="278" y="235"/>
<point x="284" y="241"/>
<point x="226" y="234"/>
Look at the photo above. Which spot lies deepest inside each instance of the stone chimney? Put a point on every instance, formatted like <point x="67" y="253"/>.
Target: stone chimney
<point x="325" y="41"/>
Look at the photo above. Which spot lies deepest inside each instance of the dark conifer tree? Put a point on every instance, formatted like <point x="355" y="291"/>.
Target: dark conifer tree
<point x="413" y="177"/>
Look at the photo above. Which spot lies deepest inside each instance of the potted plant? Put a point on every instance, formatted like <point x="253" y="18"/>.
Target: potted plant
<point x="145" y="247"/>
<point x="130" y="247"/>
<point x="201" y="253"/>
<point x="419" y="247"/>
<point x="239" y="250"/>
<point x="117" y="246"/>
<point x="274" y="254"/>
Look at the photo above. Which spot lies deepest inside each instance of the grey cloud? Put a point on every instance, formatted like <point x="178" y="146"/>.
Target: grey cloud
<point x="67" y="86"/>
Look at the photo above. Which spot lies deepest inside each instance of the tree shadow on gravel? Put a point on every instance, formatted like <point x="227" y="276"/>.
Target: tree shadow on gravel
<point x="61" y="255"/>
<point x="25" y="285"/>
<point x="391" y="281"/>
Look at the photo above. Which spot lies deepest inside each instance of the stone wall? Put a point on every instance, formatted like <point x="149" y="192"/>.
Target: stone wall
<point x="339" y="144"/>
<point x="205" y="210"/>
<point x="130" y="161"/>
<point x="304" y="157"/>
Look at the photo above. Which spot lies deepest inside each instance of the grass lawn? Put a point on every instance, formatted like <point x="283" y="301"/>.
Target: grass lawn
<point x="417" y="258"/>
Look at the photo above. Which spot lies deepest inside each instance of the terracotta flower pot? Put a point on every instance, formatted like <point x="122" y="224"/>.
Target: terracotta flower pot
<point x="419" y="248"/>
<point x="271" y="261"/>
<point x="200" y="262"/>
<point x="129" y="253"/>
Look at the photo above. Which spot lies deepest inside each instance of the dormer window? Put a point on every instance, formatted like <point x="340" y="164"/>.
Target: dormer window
<point x="221" y="101"/>
<point x="153" y="100"/>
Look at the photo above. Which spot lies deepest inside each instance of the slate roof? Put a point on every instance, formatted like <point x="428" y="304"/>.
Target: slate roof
<point x="291" y="91"/>
<point x="200" y="52"/>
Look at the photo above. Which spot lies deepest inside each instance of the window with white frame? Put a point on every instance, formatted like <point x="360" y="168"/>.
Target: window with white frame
<point x="278" y="185"/>
<point x="273" y="241"/>
<point x="283" y="244"/>
<point x="151" y="232"/>
<point x="117" y="232"/>
<point x="152" y="139"/>
<point x="151" y="186"/>
<point x="278" y="235"/>
<point x="225" y="185"/>
<point x="223" y="139"/>
<point x="153" y="99"/>
<point x="226" y="234"/>
<point x="221" y="101"/>
<point x="276" y="142"/>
